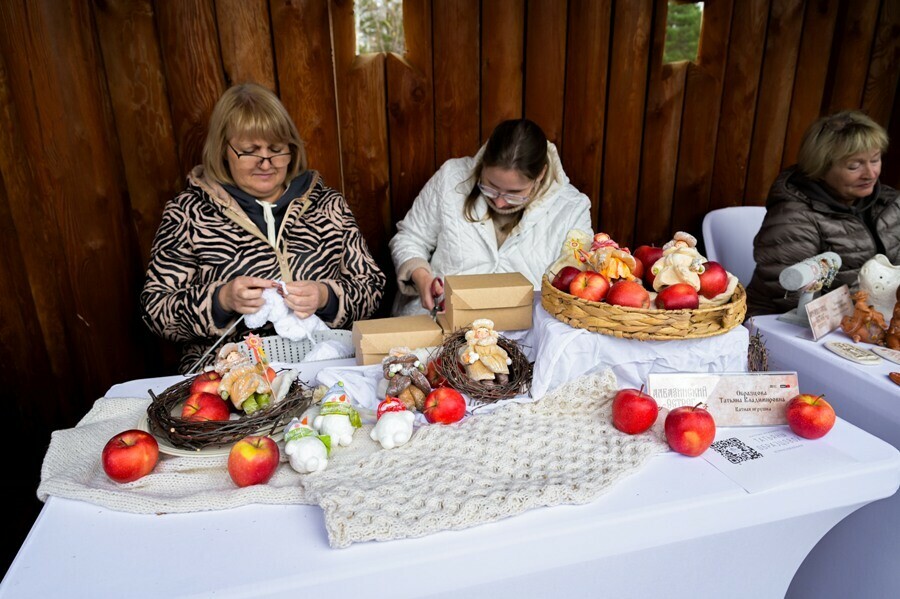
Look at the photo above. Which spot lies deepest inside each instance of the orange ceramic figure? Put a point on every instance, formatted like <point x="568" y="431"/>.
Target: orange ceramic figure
<point x="865" y="324"/>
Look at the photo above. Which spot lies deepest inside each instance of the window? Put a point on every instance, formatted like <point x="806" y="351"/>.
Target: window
<point x="379" y="26"/>
<point x="682" y="31"/>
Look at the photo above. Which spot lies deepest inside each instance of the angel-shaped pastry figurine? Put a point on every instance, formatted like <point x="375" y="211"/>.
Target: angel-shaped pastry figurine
<point x="405" y="374"/>
<point x="485" y="361"/>
<point x="573" y="253"/>
<point x="680" y="263"/>
<point x="611" y="261"/>
<point x="866" y="324"/>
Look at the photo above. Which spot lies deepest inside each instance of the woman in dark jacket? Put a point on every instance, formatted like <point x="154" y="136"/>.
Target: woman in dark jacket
<point x="830" y="201"/>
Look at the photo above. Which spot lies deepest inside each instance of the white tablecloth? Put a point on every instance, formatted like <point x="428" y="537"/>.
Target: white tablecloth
<point x="867" y="544"/>
<point x="678" y="528"/>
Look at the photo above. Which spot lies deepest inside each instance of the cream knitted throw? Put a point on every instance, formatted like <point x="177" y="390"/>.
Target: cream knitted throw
<point x="561" y="449"/>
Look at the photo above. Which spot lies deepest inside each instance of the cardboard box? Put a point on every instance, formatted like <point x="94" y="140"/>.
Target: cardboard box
<point x="505" y="298"/>
<point x="373" y="339"/>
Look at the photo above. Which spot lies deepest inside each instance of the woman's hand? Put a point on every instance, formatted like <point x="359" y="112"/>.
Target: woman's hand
<point x="428" y="286"/>
<point x="244" y="294"/>
<point x="305" y="298"/>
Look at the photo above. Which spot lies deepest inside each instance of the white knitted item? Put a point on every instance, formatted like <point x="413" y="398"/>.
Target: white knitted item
<point x="561" y="449"/>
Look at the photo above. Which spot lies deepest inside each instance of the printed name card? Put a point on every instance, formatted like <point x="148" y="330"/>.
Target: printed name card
<point x="733" y="399"/>
<point x="825" y="312"/>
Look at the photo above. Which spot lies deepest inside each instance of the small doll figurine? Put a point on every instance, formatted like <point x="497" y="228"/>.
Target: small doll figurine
<point x="573" y="252"/>
<point x="395" y="424"/>
<point x="866" y="324"/>
<point x="680" y="263"/>
<point x="337" y="418"/>
<point x="485" y="361"/>
<point x="307" y="451"/>
<point x="405" y="374"/>
<point x="611" y="261"/>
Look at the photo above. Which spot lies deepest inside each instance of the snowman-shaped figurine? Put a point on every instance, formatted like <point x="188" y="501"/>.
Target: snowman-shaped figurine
<point x="306" y="450"/>
<point x="337" y="418"/>
<point x="395" y="424"/>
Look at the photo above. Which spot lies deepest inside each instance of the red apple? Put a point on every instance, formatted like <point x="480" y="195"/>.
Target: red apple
<point x="628" y="293"/>
<point x="253" y="461"/>
<point x="130" y="455"/>
<point x="204" y="406"/>
<point x="633" y="411"/>
<point x="445" y="406"/>
<point x="432" y="373"/>
<point x="206" y="382"/>
<point x="647" y="255"/>
<point x="563" y="278"/>
<point x="589" y="285"/>
<point x="810" y="416"/>
<point x="714" y="280"/>
<point x="638" y="269"/>
<point x="690" y="430"/>
<point x="679" y="296"/>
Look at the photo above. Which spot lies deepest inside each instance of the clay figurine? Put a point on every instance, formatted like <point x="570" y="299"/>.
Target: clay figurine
<point x="337" y="418"/>
<point x="306" y="451"/>
<point x="405" y="374"/>
<point x="395" y="424"/>
<point x="881" y="280"/>
<point x="866" y="324"/>
<point x="892" y="336"/>
<point x="680" y="263"/>
<point x="485" y="361"/>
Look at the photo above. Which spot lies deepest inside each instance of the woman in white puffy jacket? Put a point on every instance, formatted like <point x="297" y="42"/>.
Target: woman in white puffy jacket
<point x="507" y="209"/>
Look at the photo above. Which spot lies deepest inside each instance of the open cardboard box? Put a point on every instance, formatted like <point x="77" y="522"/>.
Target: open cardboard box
<point x="505" y="298"/>
<point x="373" y="339"/>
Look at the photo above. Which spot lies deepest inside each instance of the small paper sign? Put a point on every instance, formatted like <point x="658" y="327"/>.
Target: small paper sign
<point x="825" y="312"/>
<point x="739" y="399"/>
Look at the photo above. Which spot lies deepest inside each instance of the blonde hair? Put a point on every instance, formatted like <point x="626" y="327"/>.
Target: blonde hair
<point x="836" y="137"/>
<point x="250" y="110"/>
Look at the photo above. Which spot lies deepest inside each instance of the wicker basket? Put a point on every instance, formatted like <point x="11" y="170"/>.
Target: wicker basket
<point x="644" y="324"/>
<point x="280" y="349"/>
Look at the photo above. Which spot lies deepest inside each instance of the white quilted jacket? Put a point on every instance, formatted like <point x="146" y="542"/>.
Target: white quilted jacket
<point x="435" y="229"/>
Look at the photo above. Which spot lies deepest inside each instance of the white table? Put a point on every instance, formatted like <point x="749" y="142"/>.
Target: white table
<point x="867" y="544"/>
<point x="678" y="527"/>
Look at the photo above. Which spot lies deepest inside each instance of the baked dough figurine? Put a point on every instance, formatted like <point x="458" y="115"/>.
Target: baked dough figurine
<point x="245" y="383"/>
<point x="405" y="375"/>
<point x="337" y="418"/>
<point x="485" y="361"/>
<point x="892" y="336"/>
<point x="608" y="259"/>
<point x="395" y="424"/>
<point x="573" y="253"/>
<point x="306" y="450"/>
<point x="680" y="263"/>
<point x="866" y="324"/>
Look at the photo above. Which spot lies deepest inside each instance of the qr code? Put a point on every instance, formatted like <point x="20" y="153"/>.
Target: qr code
<point x="735" y="451"/>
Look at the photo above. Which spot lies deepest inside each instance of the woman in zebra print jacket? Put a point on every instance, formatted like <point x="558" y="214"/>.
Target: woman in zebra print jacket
<point x="252" y="215"/>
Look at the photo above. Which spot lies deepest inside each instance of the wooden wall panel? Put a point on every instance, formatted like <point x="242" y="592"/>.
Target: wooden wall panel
<point x="587" y="59"/>
<point x="773" y="107"/>
<point x="659" y="153"/>
<point x="700" y="119"/>
<point x="624" y="132"/>
<point x="503" y="54"/>
<point x="137" y="89"/>
<point x="190" y="51"/>
<point x="246" y="42"/>
<point x="302" y="41"/>
<point x="545" y="65"/>
<point x="884" y="68"/>
<point x="457" y="78"/>
<point x="812" y="71"/>
<point x="853" y="44"/>
<point x="411" y="110"/>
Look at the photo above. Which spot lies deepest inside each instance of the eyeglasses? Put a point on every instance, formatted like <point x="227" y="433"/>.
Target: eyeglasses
<point x="512" y="199"/>
<point x="276" y="160"/>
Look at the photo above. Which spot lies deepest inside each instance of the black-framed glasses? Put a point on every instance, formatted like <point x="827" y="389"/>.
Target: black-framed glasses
<point x="276" y="160"/>
<point x="511" y="198"/>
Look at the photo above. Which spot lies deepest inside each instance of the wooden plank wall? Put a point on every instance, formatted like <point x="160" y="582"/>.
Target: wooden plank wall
<point x="104" y="106"/>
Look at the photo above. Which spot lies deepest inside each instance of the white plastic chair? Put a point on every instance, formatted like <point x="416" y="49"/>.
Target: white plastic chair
<point x="728" y="235"/>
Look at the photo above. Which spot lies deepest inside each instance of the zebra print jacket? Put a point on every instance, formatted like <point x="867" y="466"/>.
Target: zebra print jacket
<point x="205" y="239"/>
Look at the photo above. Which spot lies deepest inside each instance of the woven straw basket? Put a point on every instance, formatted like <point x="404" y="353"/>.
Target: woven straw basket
<point x="644" y="324"/>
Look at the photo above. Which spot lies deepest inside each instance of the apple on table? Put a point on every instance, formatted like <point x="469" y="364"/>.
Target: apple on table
<point x="810" y="416"/>
<point x="444" y="405"/>
<point x="129" y="455"/>
<point x="253" y="460"/>
<point x="690" y="430"/>
<point x="634" y="411"/>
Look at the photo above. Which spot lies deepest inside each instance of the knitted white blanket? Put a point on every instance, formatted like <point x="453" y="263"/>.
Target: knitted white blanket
<point x="562" y="449"/>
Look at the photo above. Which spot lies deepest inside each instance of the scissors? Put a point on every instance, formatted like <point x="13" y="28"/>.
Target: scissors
<point x="437" y="296"/>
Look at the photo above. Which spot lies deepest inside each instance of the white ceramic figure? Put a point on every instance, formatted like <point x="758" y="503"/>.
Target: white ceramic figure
<point x="306" y="451"/>
<point x="395" y="424"/>
<point x="880" y="279"/>
<point x="337" y="418"/>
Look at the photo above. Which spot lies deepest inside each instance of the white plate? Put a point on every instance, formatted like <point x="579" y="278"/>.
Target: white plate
<point x="209" y="451"/>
